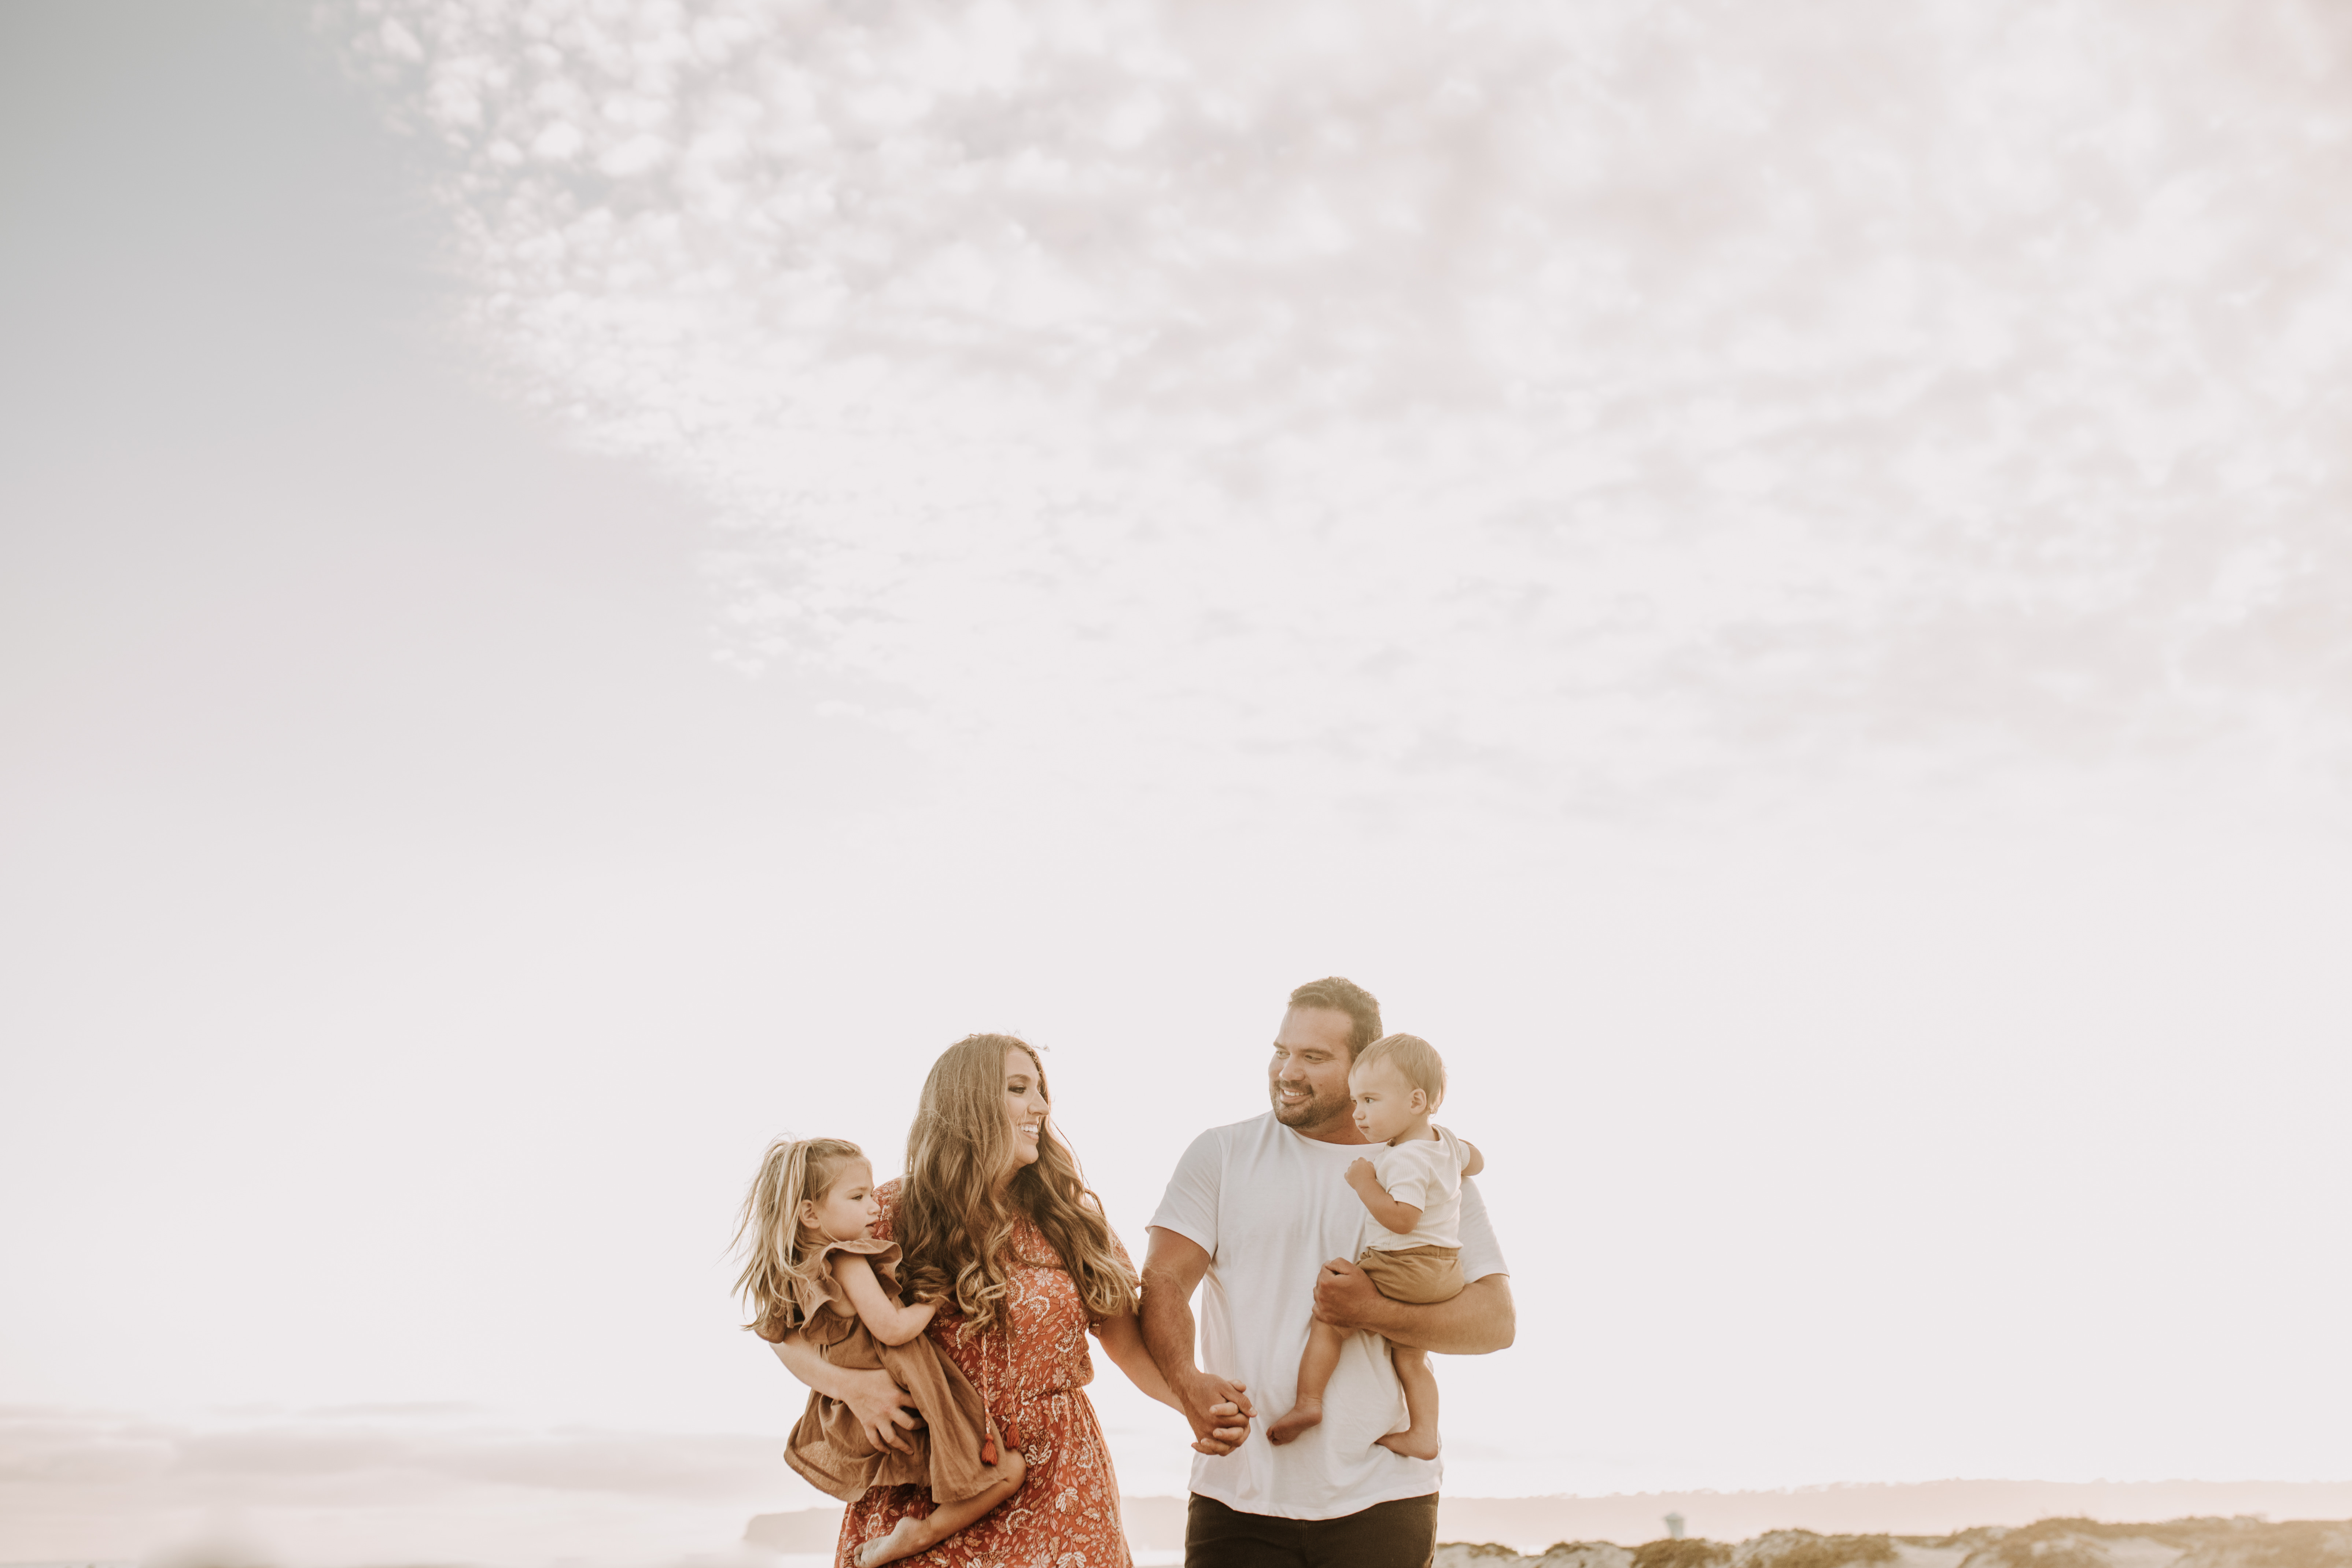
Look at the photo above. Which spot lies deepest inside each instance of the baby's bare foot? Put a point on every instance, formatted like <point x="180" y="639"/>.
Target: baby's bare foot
<point x="1413" y="1443"/>
<point x="1305" y="1414"/>
<point x="905" y="1540"/>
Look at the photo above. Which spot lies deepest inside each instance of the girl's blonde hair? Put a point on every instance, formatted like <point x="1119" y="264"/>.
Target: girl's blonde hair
<point x="1414" y="1060"/>
<point x="957" y="1232"/>
<point x="769" y="1231"/>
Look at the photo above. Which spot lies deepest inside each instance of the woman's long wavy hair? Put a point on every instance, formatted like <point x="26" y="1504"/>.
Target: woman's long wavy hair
<point x="957" y="1232"/>
<point x="776" y="1255"/>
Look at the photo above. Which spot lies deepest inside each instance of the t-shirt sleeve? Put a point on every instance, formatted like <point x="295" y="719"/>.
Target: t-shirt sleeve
<point x="1481" y="1254"/>
<point x="1189" y="1206"/>
<point x="1410" y="1175"/>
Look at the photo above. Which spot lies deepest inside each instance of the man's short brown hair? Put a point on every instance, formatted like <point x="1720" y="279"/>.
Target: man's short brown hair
<point x="1363" y="1008"/>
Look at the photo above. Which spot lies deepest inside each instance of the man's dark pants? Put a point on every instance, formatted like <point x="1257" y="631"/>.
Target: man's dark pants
<point x="1400" y="1534"/>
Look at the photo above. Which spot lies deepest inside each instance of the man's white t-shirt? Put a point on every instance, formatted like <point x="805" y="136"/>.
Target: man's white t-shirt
<point x="1272" y="1207"/>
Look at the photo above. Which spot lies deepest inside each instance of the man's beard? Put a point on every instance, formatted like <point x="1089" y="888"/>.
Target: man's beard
<point x="1312" y="1111"/>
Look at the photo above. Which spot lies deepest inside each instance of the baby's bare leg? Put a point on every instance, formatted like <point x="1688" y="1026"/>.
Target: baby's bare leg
<point x="1419" y="1439"/>
<point x="913" y="1535"/>
<point x="1316" y="1365"/>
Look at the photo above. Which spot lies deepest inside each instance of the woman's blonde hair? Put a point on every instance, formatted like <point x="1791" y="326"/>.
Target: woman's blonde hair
<point x="769" y="1231"/>
<point x="955" y="1228"/>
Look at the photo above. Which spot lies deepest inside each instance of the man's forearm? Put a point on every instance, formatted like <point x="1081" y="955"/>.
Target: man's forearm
<point x="1166" y="1320"/>
<point x="1479" y="1320"/>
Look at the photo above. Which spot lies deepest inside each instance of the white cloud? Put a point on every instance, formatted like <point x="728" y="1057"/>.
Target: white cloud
<point x="1518" y="398"/>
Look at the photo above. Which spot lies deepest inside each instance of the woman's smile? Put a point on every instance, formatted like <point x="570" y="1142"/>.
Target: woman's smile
<point x="1025" y="1108"/>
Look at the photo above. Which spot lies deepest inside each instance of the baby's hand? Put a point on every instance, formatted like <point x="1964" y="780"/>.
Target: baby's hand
<point x="1360" y="1174"/>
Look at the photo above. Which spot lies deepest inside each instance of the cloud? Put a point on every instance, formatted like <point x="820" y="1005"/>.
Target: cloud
<point x="1518" y="402"/>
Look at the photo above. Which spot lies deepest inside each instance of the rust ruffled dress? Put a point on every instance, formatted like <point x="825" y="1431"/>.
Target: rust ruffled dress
<point x="830" y="1449"/>
<point x="1031" y="1369"/>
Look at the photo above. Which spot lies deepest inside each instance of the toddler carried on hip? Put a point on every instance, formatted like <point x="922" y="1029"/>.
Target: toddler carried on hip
<point x="1411" y="1192"/>
<point x="815" y="1266"/>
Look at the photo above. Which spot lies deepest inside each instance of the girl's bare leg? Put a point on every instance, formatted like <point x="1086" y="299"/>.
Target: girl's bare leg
<point x="1316" y="1365"/>
<point x="1419" y="1439"/>
<point x="913" y="1535"/>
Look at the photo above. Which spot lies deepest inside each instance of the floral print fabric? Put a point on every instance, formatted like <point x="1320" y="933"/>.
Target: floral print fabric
<point x="1031" y="1369"/>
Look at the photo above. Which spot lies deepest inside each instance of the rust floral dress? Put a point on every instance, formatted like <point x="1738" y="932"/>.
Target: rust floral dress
<point x="1031" y="1369"/>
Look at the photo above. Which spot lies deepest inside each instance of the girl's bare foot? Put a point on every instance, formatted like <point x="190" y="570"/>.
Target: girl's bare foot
<point x="1305" y="1414"/>
<point x="1413" y="1443"/>
<point x="906" y="1539"/>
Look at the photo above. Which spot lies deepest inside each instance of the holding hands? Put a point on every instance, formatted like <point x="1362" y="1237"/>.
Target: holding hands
<point x="1219" y="1410"/>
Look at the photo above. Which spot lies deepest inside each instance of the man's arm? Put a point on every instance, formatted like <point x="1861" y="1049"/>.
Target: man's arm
<point x="1219" y="1411"/>
<point x="874" y="1397"/>
<point x="1478" y="1321"/>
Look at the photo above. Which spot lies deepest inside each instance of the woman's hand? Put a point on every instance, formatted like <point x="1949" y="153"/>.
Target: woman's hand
<point x="1219" y="1416"/>
<point x="1218" y="1411"/>
<point x="875" y="1399"/>
<point x="881" y="1408"/>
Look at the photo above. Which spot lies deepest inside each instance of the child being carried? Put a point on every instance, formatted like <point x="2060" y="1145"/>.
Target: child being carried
<point x="1412" y="1191"/>
<point x="815" y="1266"/>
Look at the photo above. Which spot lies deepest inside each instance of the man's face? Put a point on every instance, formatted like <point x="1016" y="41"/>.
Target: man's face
<point x="1308" y="1076"/>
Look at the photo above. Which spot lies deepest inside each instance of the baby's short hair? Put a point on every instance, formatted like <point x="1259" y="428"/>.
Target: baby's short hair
<point x="1414" y="1060"/>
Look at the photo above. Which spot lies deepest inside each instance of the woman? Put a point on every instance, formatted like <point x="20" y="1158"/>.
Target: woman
<point x="997" y="1225"/>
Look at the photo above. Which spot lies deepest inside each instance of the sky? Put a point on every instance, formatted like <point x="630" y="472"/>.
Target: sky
<point x="586" y="586"/>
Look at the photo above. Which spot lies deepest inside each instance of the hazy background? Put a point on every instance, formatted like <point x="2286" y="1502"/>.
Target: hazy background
<point x="589" y="584"/>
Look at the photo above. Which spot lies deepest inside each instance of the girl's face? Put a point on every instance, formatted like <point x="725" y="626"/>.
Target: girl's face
<point x="848" y="1209"/>
<point x="1386" y="1105"/>
<point x="1025" y="1104"/>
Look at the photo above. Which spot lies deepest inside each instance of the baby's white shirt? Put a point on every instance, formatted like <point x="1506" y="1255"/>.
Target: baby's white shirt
<point x="1427" y="1173"/>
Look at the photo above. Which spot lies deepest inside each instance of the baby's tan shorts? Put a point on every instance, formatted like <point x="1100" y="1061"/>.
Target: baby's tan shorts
<point x="1418" y="1275"/>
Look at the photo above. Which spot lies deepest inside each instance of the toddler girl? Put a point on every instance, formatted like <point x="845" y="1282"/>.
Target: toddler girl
<point x="1411" y="1190"/>
<point x="814" y="1265"/>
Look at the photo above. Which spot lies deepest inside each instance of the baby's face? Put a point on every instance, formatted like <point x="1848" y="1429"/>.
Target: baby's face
<point x="848" y="1209"/>
<point x="1386" y="1105"/>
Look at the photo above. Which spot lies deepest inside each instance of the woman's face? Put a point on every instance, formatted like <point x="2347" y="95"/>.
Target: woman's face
<point x="1025" y="1104"/>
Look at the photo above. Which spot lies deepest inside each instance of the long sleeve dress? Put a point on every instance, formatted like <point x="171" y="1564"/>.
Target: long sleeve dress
<point x="1031" y="1368"/>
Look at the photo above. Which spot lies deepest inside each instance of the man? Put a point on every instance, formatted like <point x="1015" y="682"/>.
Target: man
<point x="1253" y="1208"/>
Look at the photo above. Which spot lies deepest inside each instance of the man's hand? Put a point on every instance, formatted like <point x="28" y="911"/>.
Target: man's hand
<point x="881" y="1407"/>
<point x="1232" y="1431"/>
<point x="1345" y="1296"/>
<point x="1219" y="1410"/>
<point x="1479" y="1320"/>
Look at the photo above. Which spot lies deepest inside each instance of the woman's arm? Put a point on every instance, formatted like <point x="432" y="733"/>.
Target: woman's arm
<point x="882" y="1407"/>
<point x="888" y="1321"/>
<point x="1122" y="1341"/>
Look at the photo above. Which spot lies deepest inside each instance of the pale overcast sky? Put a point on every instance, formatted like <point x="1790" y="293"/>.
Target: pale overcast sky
<point x="585" y="585"/>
